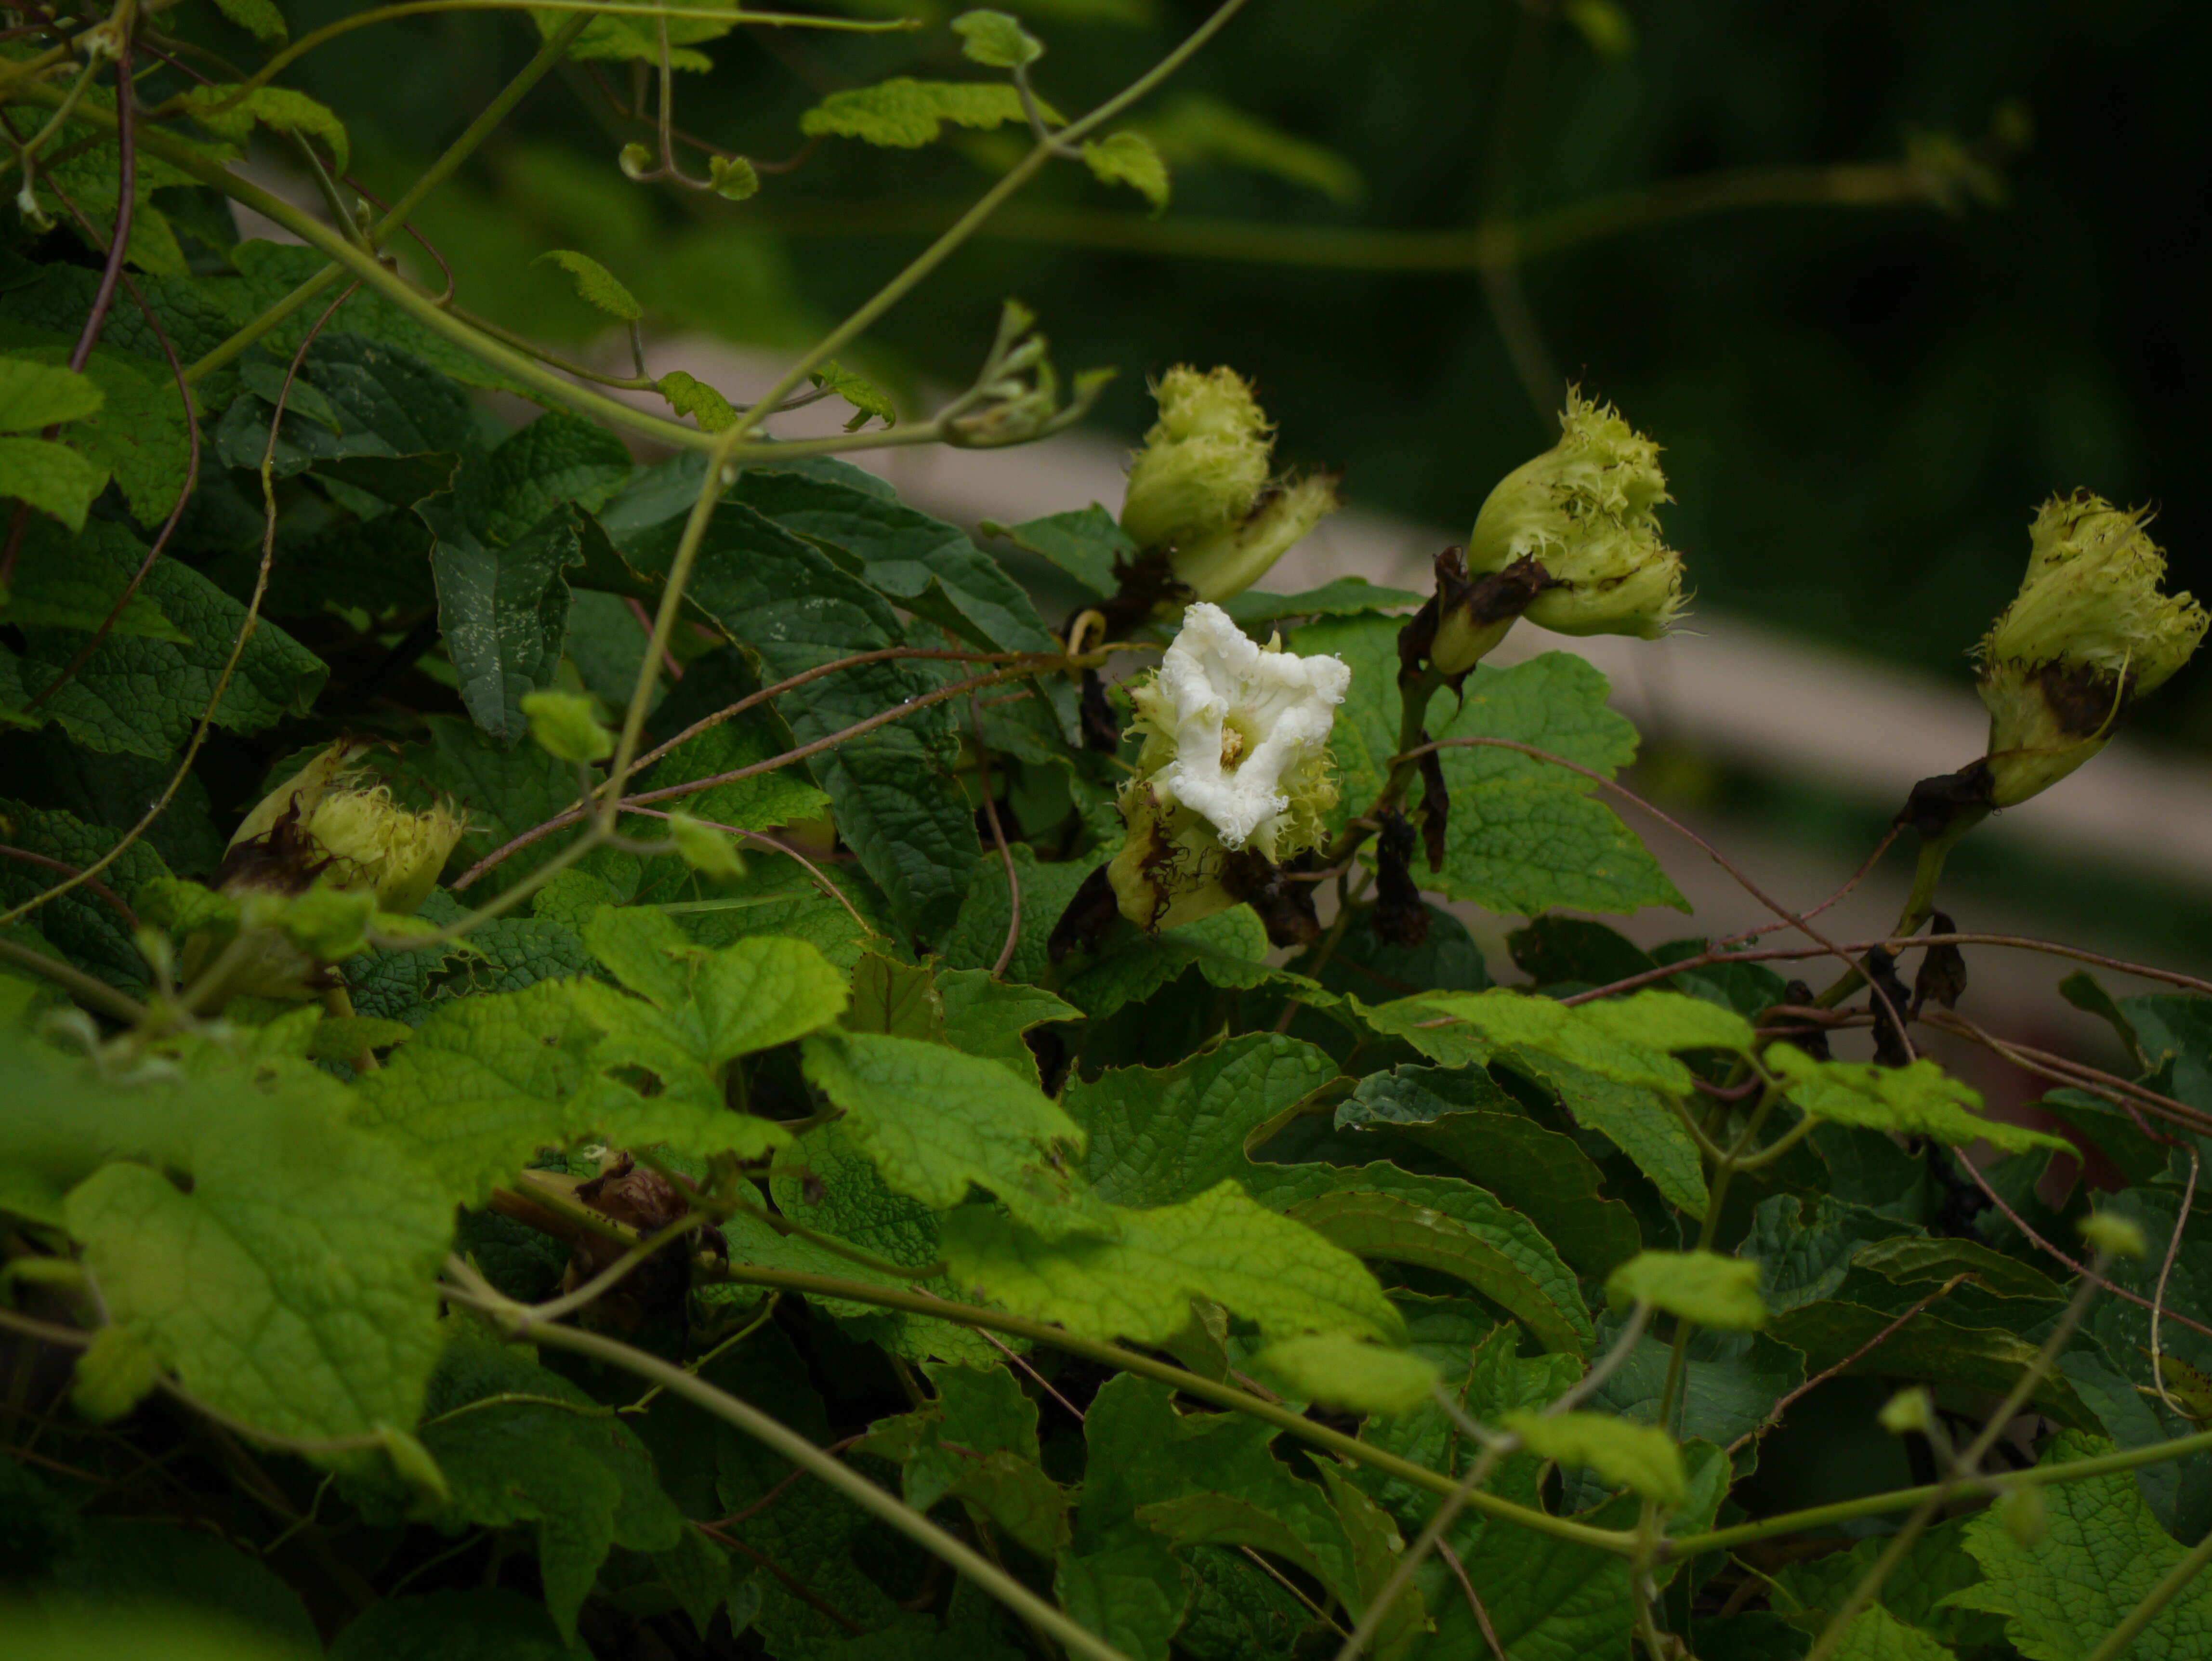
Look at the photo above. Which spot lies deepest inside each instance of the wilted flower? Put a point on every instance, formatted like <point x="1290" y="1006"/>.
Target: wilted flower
<point x="1236" y="760"/>
<point x="2087" y="634"/>
<point x="325" y="821"/>
<point x="1586" y="510"/>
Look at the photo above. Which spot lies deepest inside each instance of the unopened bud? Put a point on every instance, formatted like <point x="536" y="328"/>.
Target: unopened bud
<point x="1224" y="563"/>
<point x="1907" y="1411"/>
<point x="565" y="727"/>
<point x="707" y="849"/>
<point x="1586" y="510"/>
<point x="1468" y="616"/>
<point x="2024" y="1516"/>
<point x="2112" y="1236"/>
<point x="1205" y="461"/>
<point x="2089" y="633"/>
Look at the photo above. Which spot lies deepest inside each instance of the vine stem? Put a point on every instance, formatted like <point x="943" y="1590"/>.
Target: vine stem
<point x="1964" y="1475"/>
<point x="91" y="993"/>
<point x="525" y="1322"/>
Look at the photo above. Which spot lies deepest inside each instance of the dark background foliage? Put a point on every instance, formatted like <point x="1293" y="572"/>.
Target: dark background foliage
<point x="1861" y="407"/>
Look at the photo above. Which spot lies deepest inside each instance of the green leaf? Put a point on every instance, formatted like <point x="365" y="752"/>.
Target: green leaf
<point x="596" y="284"/>
<point x="1702" y="1286"/>
<point x="1462" y="1116"/>
<point x="227" y="114"/>
<point x="504" y="614"/>
<point x="1804" y="1261"/>
<point x="556" y="460"/>
<point x="1623" y="1039"/>
<point x="856" y="389"/>
<point x="232" y="1284"/>
<point x="79" y="925"/>
<point x="1341" y="597"/>
<point x="52" y="477"/>
<point x="1917" y="1100"/>
<point x="1340" y="1372"/>
<point x="895" y="998"/>
<point x="1128" y="158"/>
<point x="790" y="607"/>
<point x="1526" y="835"/>
<point x="137" y="433"/>
<point x="55" y="590"/>
<point x="1197" y="128"/>
<point x="258" y="18"/>
<point x="35" y="395"/>
<point x="1229" y="950"/>
<point x="520" y="1444"/>
<point x="1730" y="1382"/>
<point x="1221" y="1245"/>
<point x="485" y="1083"/>
<point x="979" y="933"/>
<point x="935" y="1120"/>
<point x="1928" y="1348"/>
<point x="157" y="1568"/>
<point x="988" y="1017"/>
<point x="978" y="1442"/>
<point x="2101" y="1552"/>
<point x="1639" y="1457"/>
<point x="1086" y="543"/>
<point x="784" y="796"/>
<point x="997" y="39"/>
<point x="688" y="395"/>
<point x="906" y="113"/>
<point x="922" y="564"/>
<point x="487" y="1624"/>
<point x="1635" y="1119"/>
<point x="1915" y="1594"/>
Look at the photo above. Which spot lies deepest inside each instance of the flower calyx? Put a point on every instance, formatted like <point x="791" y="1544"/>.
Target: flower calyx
<point x="1586" y="509"/>
<point x="1467" y="616"/>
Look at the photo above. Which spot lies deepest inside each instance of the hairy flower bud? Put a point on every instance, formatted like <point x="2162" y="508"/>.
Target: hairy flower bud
<point x="2087" y="634"/>
<point x="1205" y="461"/>
<point x="324" y="821"/>
<point x="1223" y="563"/>
<point x="1586" y="510"/>
<point x="1235" y="761"/>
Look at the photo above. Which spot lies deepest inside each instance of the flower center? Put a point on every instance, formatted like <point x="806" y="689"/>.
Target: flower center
<point x="1237" y="741"/>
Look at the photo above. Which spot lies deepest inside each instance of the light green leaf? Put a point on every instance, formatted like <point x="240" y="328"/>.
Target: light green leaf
<point x="292" y="1286"/>
<point x="856" y="389"/>
<point x="485" y="1082"/>
<point x="638" y="39"/>
<point x="52" y="477"/>
<point x="1222" y="1245"/>
<point x="597" y="284"/>
<point x="906" y="113"/>
<point x="137" y="433"/>
<point x="978" y="1442"/>
<point x="1641" y="1457"/>
<point x="734" y="178"/>
<point x="1635" y="1119"/>
<point x="894" y="997"/>
<point x="258" y="18"/>
<point x="1918" y="1100"/>
<point x="276" y="107"/>
<point x="1623" y="1039"/>
<point x="988" y="1017"/>
<point x="35" y="395"/>
<point x="688" y="395"/>
<point x="1086" y="543"/>
<point x="1340" y="1372"/>
<point x="1128" y="158"/>
<point x="2101" y="1552"/>
<point x="1695" y="1286"/>
<point x="783" y="796"/>
<point x="995" y="38"/>
<point x="115" y="1372"/>
<point x="935" y="1120"/>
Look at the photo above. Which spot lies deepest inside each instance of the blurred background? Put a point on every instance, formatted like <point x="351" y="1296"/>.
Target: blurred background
<point x="1880" y="278"/>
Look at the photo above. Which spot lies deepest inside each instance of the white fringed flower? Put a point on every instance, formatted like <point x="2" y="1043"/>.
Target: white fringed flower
<point x="1240" y="732"/>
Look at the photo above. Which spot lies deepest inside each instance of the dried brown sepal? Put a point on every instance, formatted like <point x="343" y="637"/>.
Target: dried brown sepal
<point x="1285" y="908"/>
<point x="1088" y="916"/>
<point x="1435" y="806"/>
<point x="1400" y="918"/>
<point x="1891" y="1047"/>
<point x="1936" y="804"/>
<point x="1943" y="976"/>
<point x="283" y="860"/>
<point x="642" y="1199"/>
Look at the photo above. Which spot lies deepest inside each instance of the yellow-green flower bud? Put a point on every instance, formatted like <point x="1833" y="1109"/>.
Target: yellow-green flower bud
<point x="566" y="726"/>
<point x="1205" y="461"/>
<point x="2111" y="1235"/>
<point x="2088" y="634"/>
<point x="707" y="849"/>
<point x="1223" y="563"/>
<point x="1906" y="1411"/>
<point x="1586" y="510"/>
<point x="324" y="821"/>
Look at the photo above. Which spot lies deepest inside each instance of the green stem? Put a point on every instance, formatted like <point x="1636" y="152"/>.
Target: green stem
<point x="832" y="1471"/>
<point x="2169" y="1586"/>
<point x="1189" y="1383"/>
<point x="1918" y="904"/>
<point x="1964" y="1472"/>
<point x="1725" y="1170"/>
<point x="549" y="54"/>
<point x="93" y="993"/>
